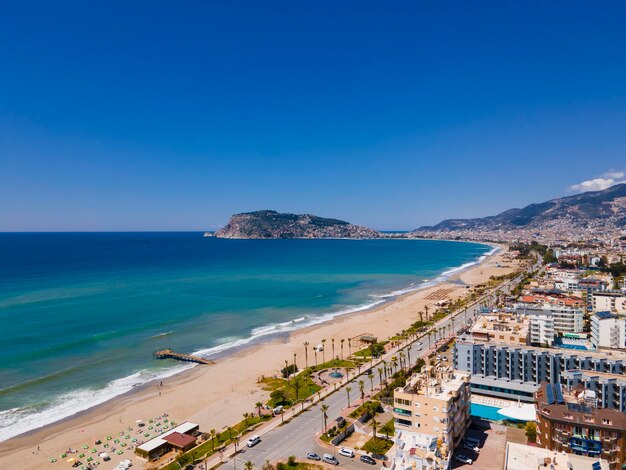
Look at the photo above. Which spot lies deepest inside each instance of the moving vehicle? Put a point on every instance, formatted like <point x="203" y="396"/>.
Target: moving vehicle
<point x="254" y="440"/>
<point x="313" y="456"/>
<point x="346" y="452"/>
<point x="462" y="458"/>
<point x="331" y="459"/>
<point x="367" y="459"/>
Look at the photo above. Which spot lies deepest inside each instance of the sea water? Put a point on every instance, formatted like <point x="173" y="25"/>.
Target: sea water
<point x="82" y="313"/>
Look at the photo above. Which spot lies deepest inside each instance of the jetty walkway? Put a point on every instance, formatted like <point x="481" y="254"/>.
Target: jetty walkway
<point x="170" y="354"/>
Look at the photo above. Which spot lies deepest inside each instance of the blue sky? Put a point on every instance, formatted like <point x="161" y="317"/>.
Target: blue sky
<point x="174" y="115"/>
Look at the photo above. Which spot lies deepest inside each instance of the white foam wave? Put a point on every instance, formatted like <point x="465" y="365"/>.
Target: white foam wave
<point x="234" y="343"/>
<point x="20" y="420"/>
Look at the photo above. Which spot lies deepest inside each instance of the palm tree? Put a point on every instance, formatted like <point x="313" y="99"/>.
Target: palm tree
<point x="324" y="416"/>
<point x="324" y="350"/>
<point x="259" y="405"/>
<point x="248" y="465"/>
<point x="380" y="376"/>
<point x="395" y="365"/>
<point x="332" y="342"/>
<point x="426" y="310"/>
<point x="230" y="430"/>
<point x="342" y="340"/>
<point x="306" y="354"/>
<point x="287" y="370"/>
<point x="348" y="390"/>
<point x="315" y="351"/>
<point x="296" y="386"/>
<point x="236" y="442"/>
<point x="421" y="314"/>
<point x="213" y="433"/>
<point x="245" y="420"/>
<point x="362" y="390"/>
<point x="349" y="347"/>
<point x="295" y="368"/>
<point x="371" y="381"/>
<point x="385" y="369"/>
<point x="374" y="425"/>
<point x="408" y="355"/>
<point x="402" y="360"/>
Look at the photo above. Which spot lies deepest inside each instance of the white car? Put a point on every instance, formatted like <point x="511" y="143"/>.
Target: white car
<point x="462" y="458"/>
<point x="254" y="440"/>
<point x="471" y="447"/>
<point x="346" y="452"/>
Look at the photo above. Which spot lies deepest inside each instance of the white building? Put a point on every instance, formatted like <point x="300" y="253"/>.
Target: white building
<point x="541" y="331"/>
<point x="608" y="331"/>
<point x="560" y="318"/>
<point x="610" y="301"/>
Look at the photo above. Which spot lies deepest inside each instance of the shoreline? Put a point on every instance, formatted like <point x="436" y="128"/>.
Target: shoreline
<point x="235" y="372"/>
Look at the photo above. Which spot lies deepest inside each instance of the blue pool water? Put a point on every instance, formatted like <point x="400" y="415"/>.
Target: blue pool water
<point x="484" y="411"/>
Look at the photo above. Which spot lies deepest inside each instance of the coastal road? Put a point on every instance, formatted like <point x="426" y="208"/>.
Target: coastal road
<point x="298" y="435"/>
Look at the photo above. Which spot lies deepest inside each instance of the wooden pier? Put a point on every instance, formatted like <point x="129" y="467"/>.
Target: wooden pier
<point x="170" y="354"/>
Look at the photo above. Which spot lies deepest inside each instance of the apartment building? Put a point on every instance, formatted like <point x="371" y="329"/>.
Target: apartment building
<point x="562" y="319"/>
<point x="541" y="330"/>
<point x="569" y="423"/>
<point x="515" y="372"/>
<point x="432" y="413"/>
<point x="501" y="327"/>
<point x="609" y="301"/>
<point x="608" y="331"/>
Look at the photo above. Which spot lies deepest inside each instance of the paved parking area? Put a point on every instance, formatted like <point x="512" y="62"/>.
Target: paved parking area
<point x="492" y="448"/>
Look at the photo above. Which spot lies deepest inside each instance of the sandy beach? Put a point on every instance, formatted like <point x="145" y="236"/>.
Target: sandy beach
<point x="216" y="396"/>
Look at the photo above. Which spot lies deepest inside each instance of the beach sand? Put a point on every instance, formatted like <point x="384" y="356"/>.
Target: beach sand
<point x="216" y="396"/>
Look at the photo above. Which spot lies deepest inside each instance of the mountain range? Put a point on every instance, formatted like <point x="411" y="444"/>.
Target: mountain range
<point x="606" y="208"/>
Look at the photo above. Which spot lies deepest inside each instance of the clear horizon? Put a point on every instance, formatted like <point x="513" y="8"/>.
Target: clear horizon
<point x="161" y="117"/>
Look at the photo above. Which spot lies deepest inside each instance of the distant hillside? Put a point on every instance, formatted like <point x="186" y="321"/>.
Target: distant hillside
<point x="605" y="208"/>
<point x="272" y="224"/>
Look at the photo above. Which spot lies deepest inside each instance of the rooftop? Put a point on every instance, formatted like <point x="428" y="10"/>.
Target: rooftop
<point x="439" y="382"/>
<point x="523" y="457"/>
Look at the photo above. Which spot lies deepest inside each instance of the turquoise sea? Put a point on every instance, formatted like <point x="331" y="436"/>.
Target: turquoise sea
<point x="81" y="313"/>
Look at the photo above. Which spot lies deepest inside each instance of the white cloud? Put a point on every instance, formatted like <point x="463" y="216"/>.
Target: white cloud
<point x="608" y="179"/>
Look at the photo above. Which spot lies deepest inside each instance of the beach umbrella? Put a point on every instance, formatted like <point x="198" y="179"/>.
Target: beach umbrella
<point x="52" y="460"/>
<point x="109" y="438"/>
<point x="70" y="460"/>
<point x="81" y="456"/>
<point x="89" y="459"/>
<point x="94" y="450"/>
<point x="123" y="444"/>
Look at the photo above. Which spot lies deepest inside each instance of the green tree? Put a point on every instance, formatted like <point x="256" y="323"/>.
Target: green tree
<point x="531" y="431"/>
<point x="279" y="397"/>
<point x="259" y="405"/>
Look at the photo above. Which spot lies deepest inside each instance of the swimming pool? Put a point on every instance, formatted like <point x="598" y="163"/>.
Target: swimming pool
<point x="484" y="411"/>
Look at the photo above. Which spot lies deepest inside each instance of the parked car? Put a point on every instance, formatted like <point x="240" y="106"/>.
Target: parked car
<point x="331" y="459"/>
<point x="278" y="410"/>
<point x="462" y="458"/>
<point x="471" y="447"/>
<point x="254" y="440"/>
<point x="313" y="456"/>
<point x="368" y="459"/>
<point x="379" y="457"/>
<point x="472" y="441"/>
<point x="346" y="452"/>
